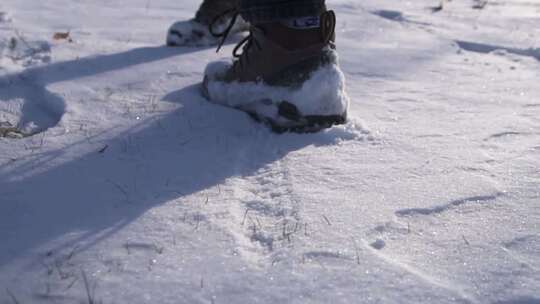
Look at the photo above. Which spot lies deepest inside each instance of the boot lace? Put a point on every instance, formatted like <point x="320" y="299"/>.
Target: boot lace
<point x="245" y="44"/>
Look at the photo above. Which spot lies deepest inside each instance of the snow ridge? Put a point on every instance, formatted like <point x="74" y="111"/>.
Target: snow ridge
<point x="450" y="205"/>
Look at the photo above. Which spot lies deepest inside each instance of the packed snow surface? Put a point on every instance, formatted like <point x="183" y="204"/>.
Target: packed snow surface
<point x="126" y="186"/>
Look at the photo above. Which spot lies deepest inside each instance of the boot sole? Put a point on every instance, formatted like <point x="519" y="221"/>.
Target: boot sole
<point x="291" y="120"/>
<point x="306" y="124"/>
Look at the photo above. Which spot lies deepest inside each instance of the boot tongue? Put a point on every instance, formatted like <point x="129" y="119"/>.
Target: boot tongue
<point x="303" y="23"/>
<point x="291" y="38"/>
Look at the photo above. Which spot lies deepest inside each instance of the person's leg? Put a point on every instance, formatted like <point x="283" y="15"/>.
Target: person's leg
<point x="195" y="32"/>
<point x="287" y="74"/>
<point x="209" y="9"/>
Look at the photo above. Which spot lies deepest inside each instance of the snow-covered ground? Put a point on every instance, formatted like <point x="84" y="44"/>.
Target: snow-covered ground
<point x="134" y="189"/>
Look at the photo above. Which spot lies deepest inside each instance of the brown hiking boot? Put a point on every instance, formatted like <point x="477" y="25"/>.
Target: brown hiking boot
<point x="287" y="76"/>
<point x="197" y="32"/>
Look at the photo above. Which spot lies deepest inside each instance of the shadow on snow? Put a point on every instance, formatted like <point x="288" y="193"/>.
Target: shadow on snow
<point x="483" y="48"/>
<point x="45" y="108"/>
<point x="164" y="160"/>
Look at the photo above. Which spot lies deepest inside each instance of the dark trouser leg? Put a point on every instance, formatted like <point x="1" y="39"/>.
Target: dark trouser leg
<point x="211" y="8"/>
<point x="263" y="11"/>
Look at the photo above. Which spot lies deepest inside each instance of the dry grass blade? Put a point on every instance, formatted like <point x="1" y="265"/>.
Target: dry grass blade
<point x="89" y="293"/>
<point x="12" y="296"/>
<point x="327" y="220"/>
<point x="102" y="150"/>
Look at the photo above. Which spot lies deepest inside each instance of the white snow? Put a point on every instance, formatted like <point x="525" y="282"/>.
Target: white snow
<point x="138" y="186"/>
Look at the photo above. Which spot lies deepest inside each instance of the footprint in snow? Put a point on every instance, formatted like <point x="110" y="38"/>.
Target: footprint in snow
<point x="19" y="51"/>
<point x="4" y="17"/>
<point x="26" y="110"/>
